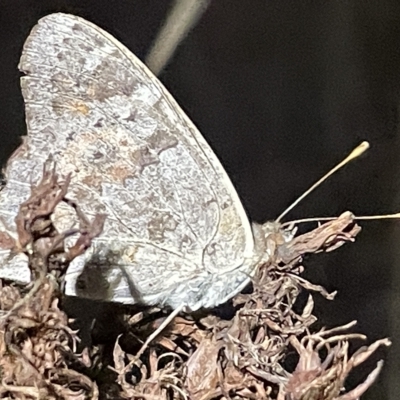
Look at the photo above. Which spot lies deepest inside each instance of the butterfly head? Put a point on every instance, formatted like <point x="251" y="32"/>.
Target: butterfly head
<point x="269" y="237"/>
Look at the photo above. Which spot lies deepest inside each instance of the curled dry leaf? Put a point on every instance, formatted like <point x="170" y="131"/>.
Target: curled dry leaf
<point x="37" y="347"/>
<point x="202" y="375"/>
<point x="317" y="378"/>
<point x="326" y="237"/>
<point x="33" y="217"/>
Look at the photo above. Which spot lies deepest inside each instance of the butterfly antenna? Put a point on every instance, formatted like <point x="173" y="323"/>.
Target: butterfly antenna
<point x="357" y="218"/>
<point x="372" y="217"/>
<point x="360" y="149"/>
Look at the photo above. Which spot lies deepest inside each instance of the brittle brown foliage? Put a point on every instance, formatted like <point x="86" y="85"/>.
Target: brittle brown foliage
<point x="198" y="357"/>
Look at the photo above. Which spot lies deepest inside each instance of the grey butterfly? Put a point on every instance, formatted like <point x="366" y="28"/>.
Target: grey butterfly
<point x="176" y="233"/>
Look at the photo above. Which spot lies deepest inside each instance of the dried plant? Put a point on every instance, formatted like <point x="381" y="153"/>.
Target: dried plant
<point x="197" y="357"/>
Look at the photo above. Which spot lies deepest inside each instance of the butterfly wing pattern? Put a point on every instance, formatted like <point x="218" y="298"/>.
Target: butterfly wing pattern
<point x="176" y="232"/>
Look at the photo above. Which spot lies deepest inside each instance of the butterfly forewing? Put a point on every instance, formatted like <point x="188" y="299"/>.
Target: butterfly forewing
<point x="173" y="215"/>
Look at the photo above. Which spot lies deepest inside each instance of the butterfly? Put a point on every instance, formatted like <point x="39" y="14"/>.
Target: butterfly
<point x="176" y="233"/>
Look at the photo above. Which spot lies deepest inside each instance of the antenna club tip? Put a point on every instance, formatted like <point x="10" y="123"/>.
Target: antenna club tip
<point x="360" y="149"/>
<point x="364" y="145"/>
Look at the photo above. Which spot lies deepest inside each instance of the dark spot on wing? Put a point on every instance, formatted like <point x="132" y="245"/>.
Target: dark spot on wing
<point x="159" y="223"/>
<point x="132" y="116"/>
<point x="144" y="156"/>
<point x="99" y="123"/>
<point x="161" y="140"/>
<point x="115" y="80"/>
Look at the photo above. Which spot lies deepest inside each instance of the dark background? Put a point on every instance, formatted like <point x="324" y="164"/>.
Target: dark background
<point x="282" y="90"/>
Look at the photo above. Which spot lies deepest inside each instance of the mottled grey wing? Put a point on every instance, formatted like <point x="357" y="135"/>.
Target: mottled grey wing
<point x="173" y="215"/>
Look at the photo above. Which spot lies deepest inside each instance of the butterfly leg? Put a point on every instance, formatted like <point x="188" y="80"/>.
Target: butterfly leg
<point x="164" y="324"/>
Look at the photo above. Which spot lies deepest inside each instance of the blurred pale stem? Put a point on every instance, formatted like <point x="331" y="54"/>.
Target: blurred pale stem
<point x="181" y="19"/>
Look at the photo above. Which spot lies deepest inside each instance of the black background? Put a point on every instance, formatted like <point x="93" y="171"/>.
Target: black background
<point x="282" y="90"/>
